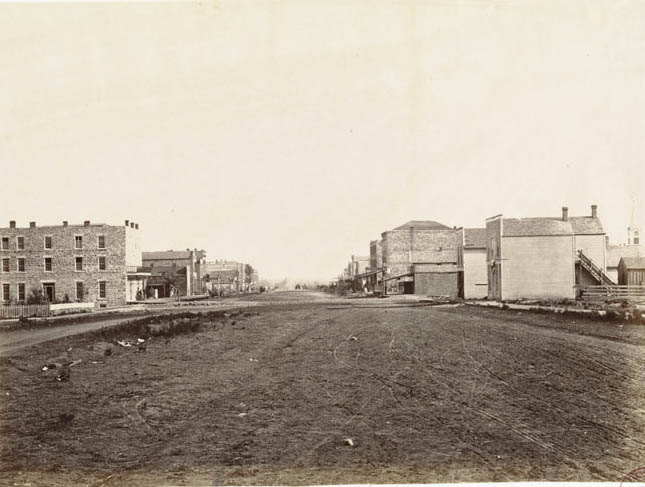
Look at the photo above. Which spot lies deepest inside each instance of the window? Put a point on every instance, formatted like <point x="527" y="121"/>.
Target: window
<point x="101" y="241"/>
<point x="637" y="239"/>
<point x="20" y="243"/>
<point x="6" y="293"/>
<point x="5" y="243"/>
<point x="78" y="242"/>
<point x="48" y="264"/>
<point x="48" y="242"/>
<point x="102" y="289"/>
<point x="21" y="292"/>
<point x="21" y="264"/>
<point x="5" y="265"/>
<point x="79" y="263"/>
<point x="102" y="265"/>
<point x="79" y="290"/>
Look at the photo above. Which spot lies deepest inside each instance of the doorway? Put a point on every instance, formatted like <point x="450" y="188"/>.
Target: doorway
<point x="49" y="290"/>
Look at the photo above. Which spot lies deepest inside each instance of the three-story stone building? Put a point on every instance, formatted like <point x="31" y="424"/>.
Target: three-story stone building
<point x="71" y="263"/>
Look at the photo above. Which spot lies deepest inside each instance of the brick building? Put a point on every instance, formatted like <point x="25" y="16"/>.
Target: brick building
<point x="75" y="263"/>
<point x="420" y="257"/>
<point x="545" y="257"/>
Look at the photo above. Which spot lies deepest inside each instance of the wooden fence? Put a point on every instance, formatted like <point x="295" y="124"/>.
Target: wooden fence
<point x="634" y="293"/>
<point x="27" y="310"/>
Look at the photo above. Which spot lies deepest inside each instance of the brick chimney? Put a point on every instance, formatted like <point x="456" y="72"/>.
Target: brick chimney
<point x="32" y="224"/>
<point x="12" y="224"/>
<point x="127" y="223"/>
<point x="565" y="213"/>
<point x="64" y="223"/>
<point x="131" y="224"/>
<point x="594" y="211"/>
<point x="136" y="226"/>
<point x="86" y="223"/>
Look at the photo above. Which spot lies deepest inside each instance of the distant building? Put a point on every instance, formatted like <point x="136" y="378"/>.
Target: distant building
<point x="544" y="257"/>
<point x="631" y="271"/>
<point x="77" y="263"/>
<point x="617" y="252"/>
<point x="471" y="259"/>
<point x="167" y="269"/>
<point x="634" y="230"/>
<point x="420" y="257"/>
<point x="230" y="276"/>
<point x="375" y="269"/>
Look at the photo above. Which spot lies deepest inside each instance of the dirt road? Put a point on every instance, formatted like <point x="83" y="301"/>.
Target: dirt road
<point x="425" y="395"/>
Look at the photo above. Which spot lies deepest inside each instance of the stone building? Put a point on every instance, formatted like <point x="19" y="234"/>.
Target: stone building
<point x="71" y="263"/>
<point x="420" y="257"/>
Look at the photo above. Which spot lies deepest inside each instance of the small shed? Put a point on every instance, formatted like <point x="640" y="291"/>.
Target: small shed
<point x="631" y="271"/>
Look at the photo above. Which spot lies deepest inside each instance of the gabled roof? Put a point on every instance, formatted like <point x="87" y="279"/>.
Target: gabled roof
<point x="616" y="252"/>
<point x="423" y="225"/>
<point x="475" y="238"/>
<point x="634" y="262"/>
<point x="586" y="225"/>
<point x="520" y="227"/>
<point x="550" y="226"/>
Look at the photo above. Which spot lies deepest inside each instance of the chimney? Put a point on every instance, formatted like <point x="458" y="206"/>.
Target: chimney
<point x="594" y="211"/>
<point x="136" y="226"/>
<point x="127" y="223"/>
<point x="12" y="224"/>
<point x="32" y="224"/>
<point x="131" y="224"/>
<point x="86" y="223"/>
<point x="565" y="213"/>
<point x="64" y="223"/>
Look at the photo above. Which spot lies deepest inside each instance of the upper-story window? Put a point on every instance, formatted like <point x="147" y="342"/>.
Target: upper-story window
<point x="5" y="265"/>
<point x="102" y="264"/>
<point x="4" y="245"/>
<point x="48" y="264"/>
<point x="101" y="241"/>
<point x="21" y="264"/>
<point x="78" y="242"/>
<point x="48" y="242"/>
<point x="20" y="243"/>
<point x="637" y="239"/>
<point x="79" y="263"/>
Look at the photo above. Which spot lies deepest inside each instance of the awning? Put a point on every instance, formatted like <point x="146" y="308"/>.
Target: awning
<point x="408" y="274"/>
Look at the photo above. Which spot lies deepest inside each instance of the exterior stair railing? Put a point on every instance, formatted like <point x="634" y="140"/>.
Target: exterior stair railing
<point x="594" y="270"/>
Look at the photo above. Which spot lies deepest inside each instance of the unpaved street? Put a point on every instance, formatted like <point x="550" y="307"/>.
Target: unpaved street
<point x="426" y="394"/>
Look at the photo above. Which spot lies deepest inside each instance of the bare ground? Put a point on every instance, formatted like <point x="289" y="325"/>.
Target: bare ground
<point x="425" y="394"/>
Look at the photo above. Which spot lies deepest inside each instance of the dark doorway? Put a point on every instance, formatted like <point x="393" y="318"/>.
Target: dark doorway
<point x="408" y="287"/>
<point x="460" y="284"/>
<point x="49" y="289"/>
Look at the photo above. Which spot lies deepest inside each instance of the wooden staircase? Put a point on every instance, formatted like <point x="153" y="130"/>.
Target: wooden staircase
<point x="595" y="271"/>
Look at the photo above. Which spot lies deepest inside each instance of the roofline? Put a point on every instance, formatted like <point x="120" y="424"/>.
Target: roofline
<point x="495" y="217"/>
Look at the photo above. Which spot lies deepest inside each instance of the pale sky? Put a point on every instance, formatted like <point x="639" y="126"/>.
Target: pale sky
<point x="288" y="134"/>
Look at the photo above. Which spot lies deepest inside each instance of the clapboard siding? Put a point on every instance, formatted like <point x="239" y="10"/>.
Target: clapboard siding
<point x="475" y="274"/>
<point x="594" y="247"/>
<point x="538" y="267"/>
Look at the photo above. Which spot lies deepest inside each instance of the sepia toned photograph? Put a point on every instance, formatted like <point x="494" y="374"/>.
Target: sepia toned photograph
<point x="307" y="242"/>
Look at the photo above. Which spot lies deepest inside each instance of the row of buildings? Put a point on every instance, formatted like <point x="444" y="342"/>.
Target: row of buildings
<point x="104" y="264"/>
<point x="507" y="259"/>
